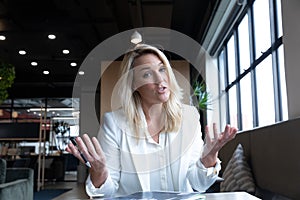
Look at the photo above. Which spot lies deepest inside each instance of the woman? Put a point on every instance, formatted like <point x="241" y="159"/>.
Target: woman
<point x="153" y="143"/>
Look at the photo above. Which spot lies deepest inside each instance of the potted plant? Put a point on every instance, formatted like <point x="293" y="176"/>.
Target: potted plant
<point x="200" y="96"/>
<point x="7" y="77"/>
<point x="201" y="99"/>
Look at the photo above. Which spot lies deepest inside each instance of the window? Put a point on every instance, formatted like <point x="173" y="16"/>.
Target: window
<point x="279" y="17"/>
<point x="245" y="83"/>
<point x="265" y="92"/>
<point x="251" y="65"/>
<point x="282" y="84"/>
<point x="261" y="22"/>
<point x="231" y="77"/>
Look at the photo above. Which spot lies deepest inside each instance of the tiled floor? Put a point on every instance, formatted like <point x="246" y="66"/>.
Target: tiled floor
<point x="77" y="189"/>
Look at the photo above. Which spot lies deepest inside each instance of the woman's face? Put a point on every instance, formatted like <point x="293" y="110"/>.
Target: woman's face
<point x="151" y="79"/>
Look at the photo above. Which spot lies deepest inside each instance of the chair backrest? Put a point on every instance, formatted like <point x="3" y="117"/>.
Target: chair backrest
<point x="2" y="170"/>
<point x="22" y="162"/>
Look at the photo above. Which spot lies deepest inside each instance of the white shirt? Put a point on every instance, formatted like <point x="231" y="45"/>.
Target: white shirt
<point x="163" y="173"/>
<point x="172" y="165"/>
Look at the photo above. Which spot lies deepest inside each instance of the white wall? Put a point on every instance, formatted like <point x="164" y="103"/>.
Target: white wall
<point x="291" y="40"/>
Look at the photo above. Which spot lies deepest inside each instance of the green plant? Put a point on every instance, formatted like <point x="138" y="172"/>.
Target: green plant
<point x="7" y="77"/>
<point x="201" y="96"/>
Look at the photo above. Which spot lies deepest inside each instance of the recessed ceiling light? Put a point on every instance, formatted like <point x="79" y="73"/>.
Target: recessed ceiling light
<point x="2" y="37"/>
<point x="46" y="72"/>
<point x="81" y="73"/>
<point x="73" y="64"/>
<point x="34" y="63"/>
<point x="66" y="51"/>
<point x="51" y="36"/>
<point x="22" y="52"/>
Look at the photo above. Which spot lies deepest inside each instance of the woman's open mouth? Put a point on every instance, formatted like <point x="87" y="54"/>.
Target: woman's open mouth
<point x="161" y="89"/>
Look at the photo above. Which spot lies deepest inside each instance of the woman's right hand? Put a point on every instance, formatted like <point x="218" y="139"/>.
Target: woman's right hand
<point x="92" y="151"/>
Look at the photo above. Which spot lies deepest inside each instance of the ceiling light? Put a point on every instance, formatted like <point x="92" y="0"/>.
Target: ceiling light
<point x="73" y="64"/>
<point x="65" y="118"/>
<point x="46" y="72"/>
<point x="136" y="37"/>
<point x="61" y="109"/>
<point x="66" y="51"/>
<point x="2" y="37"/>
<point x="22" y="52"/>
<point x="34" y="63"/>
<point x="76" y="113"/>
<point x="52" y="109"/>
<point x="81" y="73"/>
<point x="51" y="36"/>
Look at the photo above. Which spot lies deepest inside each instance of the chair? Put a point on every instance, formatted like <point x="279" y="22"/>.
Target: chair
<point x="15" y="183"/>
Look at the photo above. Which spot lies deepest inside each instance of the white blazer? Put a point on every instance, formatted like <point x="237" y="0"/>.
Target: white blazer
<point x="129" y="162"/>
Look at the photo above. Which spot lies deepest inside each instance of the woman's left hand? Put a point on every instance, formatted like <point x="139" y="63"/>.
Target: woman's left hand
<point x="213" y="145"/>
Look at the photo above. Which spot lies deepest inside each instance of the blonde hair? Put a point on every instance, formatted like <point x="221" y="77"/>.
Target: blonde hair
<point x="131" y="101"/>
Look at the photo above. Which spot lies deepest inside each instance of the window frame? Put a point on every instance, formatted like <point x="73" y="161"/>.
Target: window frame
<point x="276" y="42"/>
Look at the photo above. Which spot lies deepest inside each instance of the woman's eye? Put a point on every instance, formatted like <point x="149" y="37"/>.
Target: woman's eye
<point x="163" y="69"/>
<point x="146" y="75"/>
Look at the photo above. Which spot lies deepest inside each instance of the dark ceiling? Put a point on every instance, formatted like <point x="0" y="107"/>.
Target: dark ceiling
<point x="80" y="25"/>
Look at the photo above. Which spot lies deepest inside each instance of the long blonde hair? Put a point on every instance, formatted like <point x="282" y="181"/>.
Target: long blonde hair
<point x="131" y="101"/>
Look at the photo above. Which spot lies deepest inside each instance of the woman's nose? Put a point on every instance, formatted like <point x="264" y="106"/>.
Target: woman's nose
<point x="158" y="78"/>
